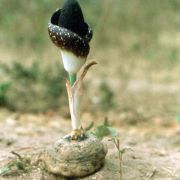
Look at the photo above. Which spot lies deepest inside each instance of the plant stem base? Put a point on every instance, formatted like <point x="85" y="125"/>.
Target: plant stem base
<point x="77" y="135"/>
<point x="75" y="158"/>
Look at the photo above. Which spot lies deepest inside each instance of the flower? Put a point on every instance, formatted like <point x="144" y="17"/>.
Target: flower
<point x="68" y="31"/>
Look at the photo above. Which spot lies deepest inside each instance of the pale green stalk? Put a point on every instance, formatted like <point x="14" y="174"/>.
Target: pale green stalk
<point x="72" y="79"/>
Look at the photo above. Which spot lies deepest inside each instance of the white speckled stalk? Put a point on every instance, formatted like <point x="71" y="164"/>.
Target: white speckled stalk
<point x="75" y="110"/>
<point x="74" y="105"/>
<point x="74" y="97"/>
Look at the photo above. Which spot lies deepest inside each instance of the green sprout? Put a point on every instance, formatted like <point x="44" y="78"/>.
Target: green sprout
<point x="106" y="130"/>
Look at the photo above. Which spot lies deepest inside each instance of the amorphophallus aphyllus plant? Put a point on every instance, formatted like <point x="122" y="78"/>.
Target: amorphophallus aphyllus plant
<point x="86" y="153"/>
<point x="71" y="34"/>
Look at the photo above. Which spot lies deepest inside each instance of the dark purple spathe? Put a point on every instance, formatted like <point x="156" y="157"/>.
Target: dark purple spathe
<point x="74" y="37"/>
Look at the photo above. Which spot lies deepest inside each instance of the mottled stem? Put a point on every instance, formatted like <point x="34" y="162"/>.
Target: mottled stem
<point x="74" y="104"/>
<point x="73" y="95"/>
<point x="73" y="88"/>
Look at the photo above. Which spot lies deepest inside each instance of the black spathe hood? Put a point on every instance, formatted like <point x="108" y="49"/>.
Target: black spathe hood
<point x="69" y="31"/>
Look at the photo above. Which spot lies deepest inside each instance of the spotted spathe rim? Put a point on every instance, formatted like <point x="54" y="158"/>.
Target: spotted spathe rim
<point x="68" y="40"/>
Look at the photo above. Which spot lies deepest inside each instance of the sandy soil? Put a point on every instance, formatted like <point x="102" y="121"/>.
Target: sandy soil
<point x="154" y="149"/>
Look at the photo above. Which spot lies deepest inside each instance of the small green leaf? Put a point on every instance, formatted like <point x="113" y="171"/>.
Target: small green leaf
<point x="101" y="131"/>
<point x="105" y="130"/>
<point x="113" y="132"/>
